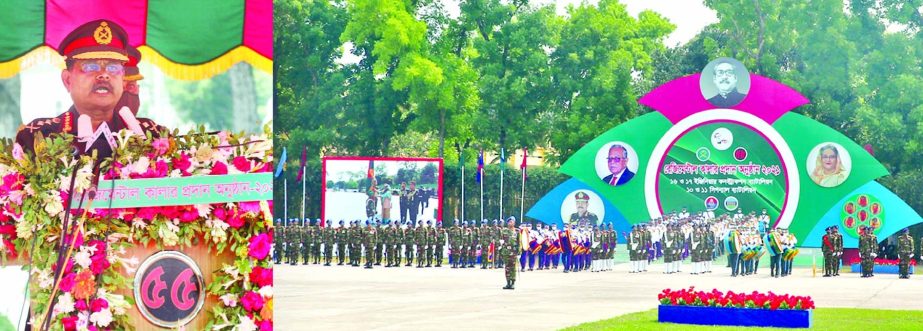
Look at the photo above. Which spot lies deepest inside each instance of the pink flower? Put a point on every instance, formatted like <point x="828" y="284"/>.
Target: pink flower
<point x="114" y="171"/>
<point x="161" y="169"/>
<point x="161" y="145"/>
<point x="148" y="213"/>
<point x="98" y="264"/>
<point x="221" y="213"/>
<point x="252" y="301"/>
<point x="259" y="246"/>
<point x="67" y="283"/>
<point x="219" y="169"/>
<point x="241" y="163"/>
<point x="189" y="215"/>
<point x="182" y="163"/>
<point x="98" y="305"/>
<point x="261" y="276"/>
<point x="81" y="305"/>
<point x="235" y="221"/>
<point x="265" y="325"/>
<point x="69" y="323"/>
<point x="250" y="207"/>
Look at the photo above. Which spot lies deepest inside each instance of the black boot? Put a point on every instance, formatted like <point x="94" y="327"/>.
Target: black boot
<point x="509" y="285"/>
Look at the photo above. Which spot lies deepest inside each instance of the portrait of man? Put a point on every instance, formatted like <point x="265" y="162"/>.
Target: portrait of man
<point x="729" y="78"/>
<point x="617" y="162"/>
<point x="583" y="216"/>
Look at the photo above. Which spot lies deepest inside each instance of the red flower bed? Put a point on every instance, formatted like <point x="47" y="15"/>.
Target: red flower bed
<point x="715" y="298"/>
<point x="884" y="261"/>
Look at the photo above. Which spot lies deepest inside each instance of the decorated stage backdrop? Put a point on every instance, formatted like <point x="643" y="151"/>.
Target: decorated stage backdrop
<point x="728" y="141"/>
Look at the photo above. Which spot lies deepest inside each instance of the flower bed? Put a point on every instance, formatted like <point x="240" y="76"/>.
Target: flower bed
<point x="688" y="306"/>
<point x="87" y="296"/>
<point x="882" y="266"/>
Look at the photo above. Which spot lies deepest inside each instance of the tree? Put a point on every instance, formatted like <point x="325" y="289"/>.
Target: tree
<point x="593" y="69"/>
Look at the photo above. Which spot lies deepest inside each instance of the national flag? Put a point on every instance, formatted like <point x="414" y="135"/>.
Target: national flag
<point x="480" y="167"/>
<point x="371" y="173"/>
<point x="525" y="158"/>
<point x="502" y="156"/>
<point x="304" y="160"/>
<point x="280" y="167"/>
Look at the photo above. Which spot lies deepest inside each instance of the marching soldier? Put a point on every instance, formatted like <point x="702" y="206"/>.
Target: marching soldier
<point x="307" y="232"/>
<point x="355" y="248"/>
<point x="371" y="243"/>
<point x="408" y="235"/>
<point x="419" y="238"/>
<point x="381" y="245"/>
<point x="429" y="240"/>
<point x="279" y="242"/>
<point x="328" y="238"/>
<point x="838" y="249"/>
<point x="440" y="244"/>
<point x="340" y="235"/>
<point x="905" y="252"/>
<point x="509" y="243"/>
<point x="827" y="248"/>
<point x="316" y="241"/>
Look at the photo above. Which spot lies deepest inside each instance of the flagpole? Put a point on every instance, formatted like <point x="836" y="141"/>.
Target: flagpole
<point x="463" y="193"/>
<point x="502" y="165"/>
<point x="522" y="204"/>
<point x="286" y="200"/>
<point x="303" y="193"/>
<point x="481" y="171"/>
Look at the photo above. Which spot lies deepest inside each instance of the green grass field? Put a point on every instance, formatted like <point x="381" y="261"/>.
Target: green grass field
<point x="824" y="319"/>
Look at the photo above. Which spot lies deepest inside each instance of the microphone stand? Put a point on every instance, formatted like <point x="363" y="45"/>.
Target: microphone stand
<point x="65" y="250"/>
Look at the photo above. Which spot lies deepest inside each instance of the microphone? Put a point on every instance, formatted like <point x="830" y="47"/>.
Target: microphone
<point x="130" y="121"/>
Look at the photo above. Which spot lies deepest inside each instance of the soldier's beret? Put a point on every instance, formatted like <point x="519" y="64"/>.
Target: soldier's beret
<point x="99" y="39"/>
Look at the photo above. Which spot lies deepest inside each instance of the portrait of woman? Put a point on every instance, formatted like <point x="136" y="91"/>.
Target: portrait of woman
<point x="829" y="167"/>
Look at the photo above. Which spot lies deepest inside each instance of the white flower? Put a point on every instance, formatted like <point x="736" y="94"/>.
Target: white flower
<point x="53" y="203"/>
<point x="168" y="235"/>
<point x="141" y="166"/>
<point x="204" y="209"/>
<point x="231" y="271"/>
<point x="101" y="318"/>
<point x="44" y="278"/>
<point x="23" y="230"/>
<point x="82" y="258"/>
<point x="245" y="324"/>
<point x="138" y="223"/>
<point x="176" y="173"/>
<point x="117" y="303"/>
<point x="266" y="291"/>
<point x="83" y="319"/>
<point x="65" y="304"/>
<point x="229" y="300"/>
<point x="218" y="230"/>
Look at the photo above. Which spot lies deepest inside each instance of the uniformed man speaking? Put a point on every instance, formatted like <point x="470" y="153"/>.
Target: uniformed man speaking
<point x="95" y="55"/>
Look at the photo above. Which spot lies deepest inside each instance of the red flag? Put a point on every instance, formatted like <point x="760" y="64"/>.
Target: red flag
<point x="304" y="159"/>
<point x="525" y="157"/>
<point x="371" y="169"/>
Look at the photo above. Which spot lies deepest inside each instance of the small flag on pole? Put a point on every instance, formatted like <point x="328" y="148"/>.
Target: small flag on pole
<point x="525" y="158"/>
<point x="502" y="156"/>
<point x="371" y="173"/>
<point x="480" y="167"/>
<point x="304" y="159"/>
<point x="280" y="167"/>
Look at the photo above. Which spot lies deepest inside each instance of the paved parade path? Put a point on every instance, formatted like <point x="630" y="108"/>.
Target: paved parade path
<point x="349" y="298"/>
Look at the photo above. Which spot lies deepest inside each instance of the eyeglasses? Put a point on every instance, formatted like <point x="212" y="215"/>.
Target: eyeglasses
<point x="616" y="159"/>
<point x="828" y="157"/>
<point x="95" y="67"/>
<point x="729" y="72"/>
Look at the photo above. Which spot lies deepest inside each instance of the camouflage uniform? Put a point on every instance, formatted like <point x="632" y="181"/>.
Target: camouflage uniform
<point x="440" y="244"/>
<point x="340" y="236"/>
<point x="905" y="253"/>
<point x="328" y="238"/>
<point x="509" y="239"/>
<point x="419" y="238"/>
<point x="408" y="235"/>
<point x="429" y="240"/>
<point x="278" y="242"/>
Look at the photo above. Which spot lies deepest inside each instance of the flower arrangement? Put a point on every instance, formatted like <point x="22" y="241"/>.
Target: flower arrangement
<point x="86" y="299"/>
<point x="715" y="298"/>
<point x="857" y="260"/>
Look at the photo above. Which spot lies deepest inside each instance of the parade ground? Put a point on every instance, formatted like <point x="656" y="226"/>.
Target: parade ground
<point x="349" y="298"/>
